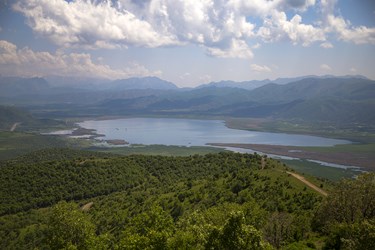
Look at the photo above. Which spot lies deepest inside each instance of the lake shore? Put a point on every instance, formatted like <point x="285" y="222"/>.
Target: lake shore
<point x="359" y="159"/>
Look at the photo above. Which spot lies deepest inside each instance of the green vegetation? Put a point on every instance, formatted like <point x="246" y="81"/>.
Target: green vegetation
<point x="159" y="150"/>
<point x="353" y="132"/>
<point x="13" y="144"/>
<point x="15" y="119"/>
<point x="345" y="148"/>
<point x="317" y="170"/>
<point x="213" y="201"/>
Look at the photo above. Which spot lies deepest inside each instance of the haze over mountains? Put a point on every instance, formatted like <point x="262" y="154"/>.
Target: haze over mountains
<point x="310" y="98"/>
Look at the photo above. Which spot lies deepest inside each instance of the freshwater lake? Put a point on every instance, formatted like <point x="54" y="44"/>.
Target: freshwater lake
<point x="190" y="132"/>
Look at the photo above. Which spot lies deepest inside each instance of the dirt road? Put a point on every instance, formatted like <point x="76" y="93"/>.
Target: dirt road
<point x="301" y="178"/>
<point x="14" y="126"/>
<point x="87" y="206"/>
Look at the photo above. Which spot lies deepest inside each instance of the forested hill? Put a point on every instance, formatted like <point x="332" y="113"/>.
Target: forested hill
<point x="13" y="118"/>
<point x="216" y="201"/>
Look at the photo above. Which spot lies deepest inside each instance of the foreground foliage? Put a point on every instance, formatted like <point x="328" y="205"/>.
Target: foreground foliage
<point x="216" y="201"/>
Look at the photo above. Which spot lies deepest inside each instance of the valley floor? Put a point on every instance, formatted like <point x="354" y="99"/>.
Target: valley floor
<point x="348" y="155"/>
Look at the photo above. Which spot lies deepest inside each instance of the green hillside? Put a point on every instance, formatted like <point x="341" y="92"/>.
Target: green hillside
<point x="334" y="100"/>
<point x="17" y="119"/>
<point x="10" y="115"/>
<point x="320" y="99"/>
<point x="215" y="201"/>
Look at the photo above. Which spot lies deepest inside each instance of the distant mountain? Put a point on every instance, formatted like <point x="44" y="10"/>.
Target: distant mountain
<point x="13" y="86"/>
<point x="311" y="99"/>
<point x="253" y="84"/>
<point x="324" y="98"/>
<point x="141" y="83"/>
<point x="249" y="85"/>
<point x="336" y="111"/>
<point x="76" y="82"/>
<point x="310" y="88"/>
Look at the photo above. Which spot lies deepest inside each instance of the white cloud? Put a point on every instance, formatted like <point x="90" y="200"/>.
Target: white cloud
<point x="185" y="75"/>
<point x="277" y="27"/>
<point x="205" y="78"/>
<point x="223" y="27"/>
<point x="326" y="45"/>
<point x="256" y="46"/>
<point x="26" y="62"/>
<point x="342" y="28"/>
<point x="353" y="70"/>
<point x="259" y="68"/>
<point x="349" y="33"/>
<point x="84" y="23"/>
<point x="155" y="23"/>
<point x="237" y="49"/>
<point x="300" y="5"/>
<point x="325" y="67"/>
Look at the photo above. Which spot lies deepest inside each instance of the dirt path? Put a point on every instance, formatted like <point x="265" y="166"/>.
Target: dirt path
<point x="263" y="162"/>
<point x="87" y="206"/>
<point x="301" y="178"/>
<point x="14" y="126"/>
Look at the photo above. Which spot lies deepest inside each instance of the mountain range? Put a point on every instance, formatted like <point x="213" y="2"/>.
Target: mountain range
<point x="348" y="99"/>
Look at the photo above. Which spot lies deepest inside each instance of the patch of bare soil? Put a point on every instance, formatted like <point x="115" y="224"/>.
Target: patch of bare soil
<point x="87" y="206"/>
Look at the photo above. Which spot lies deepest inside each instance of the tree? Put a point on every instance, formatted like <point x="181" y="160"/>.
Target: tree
<point x="351" y="201"/>
<point x="348" y="214"/>
<point x="71" y="228"/>
<point x="148" y="230"/>
<point x="278" y="230"/>
<point x="356" y="236"/>
<point x="236" y="235"/>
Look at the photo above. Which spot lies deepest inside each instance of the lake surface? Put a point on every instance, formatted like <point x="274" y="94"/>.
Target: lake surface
<point x="189" y="132"/>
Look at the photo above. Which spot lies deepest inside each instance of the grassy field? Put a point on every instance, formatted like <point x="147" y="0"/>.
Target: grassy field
<point x="159" y="150"/>
<point x="345" y="148"/>
<point x="317" y="170"/>
<point x="351" y="132"/>
<point x="13" y="144"/>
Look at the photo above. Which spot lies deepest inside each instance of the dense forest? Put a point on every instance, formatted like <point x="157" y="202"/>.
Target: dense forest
<point x="68" y="199"/>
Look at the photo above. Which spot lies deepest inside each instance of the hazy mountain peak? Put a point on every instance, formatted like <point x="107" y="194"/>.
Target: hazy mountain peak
<point x="150" y="82"/>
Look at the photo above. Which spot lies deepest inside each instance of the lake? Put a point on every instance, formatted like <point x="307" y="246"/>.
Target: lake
<point x="190" y="132"/>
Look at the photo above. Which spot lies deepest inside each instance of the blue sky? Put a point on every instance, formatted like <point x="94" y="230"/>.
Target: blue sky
<point x="187" y="42"/>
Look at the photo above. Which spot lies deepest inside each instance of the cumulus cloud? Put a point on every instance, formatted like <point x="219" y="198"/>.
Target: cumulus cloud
<point x="277" y="27"/>
<point x="353" y="70"/>
<point x="185" y="75"/>
<point x="205" y="78"/>
<point x="349" y="33"/>
<point x="326" y="45"/>
<point x="26" y="62"/>
<point x="300" y="5"/>
<point x="260" y="68"/>
<point x="325" y="67"/>
<point x="237" y="49"/>
<point x="256" y="46"/>
<point x="342" y="28"/>
<point x="225" y="28"/>
<point x="85" y="23"/>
